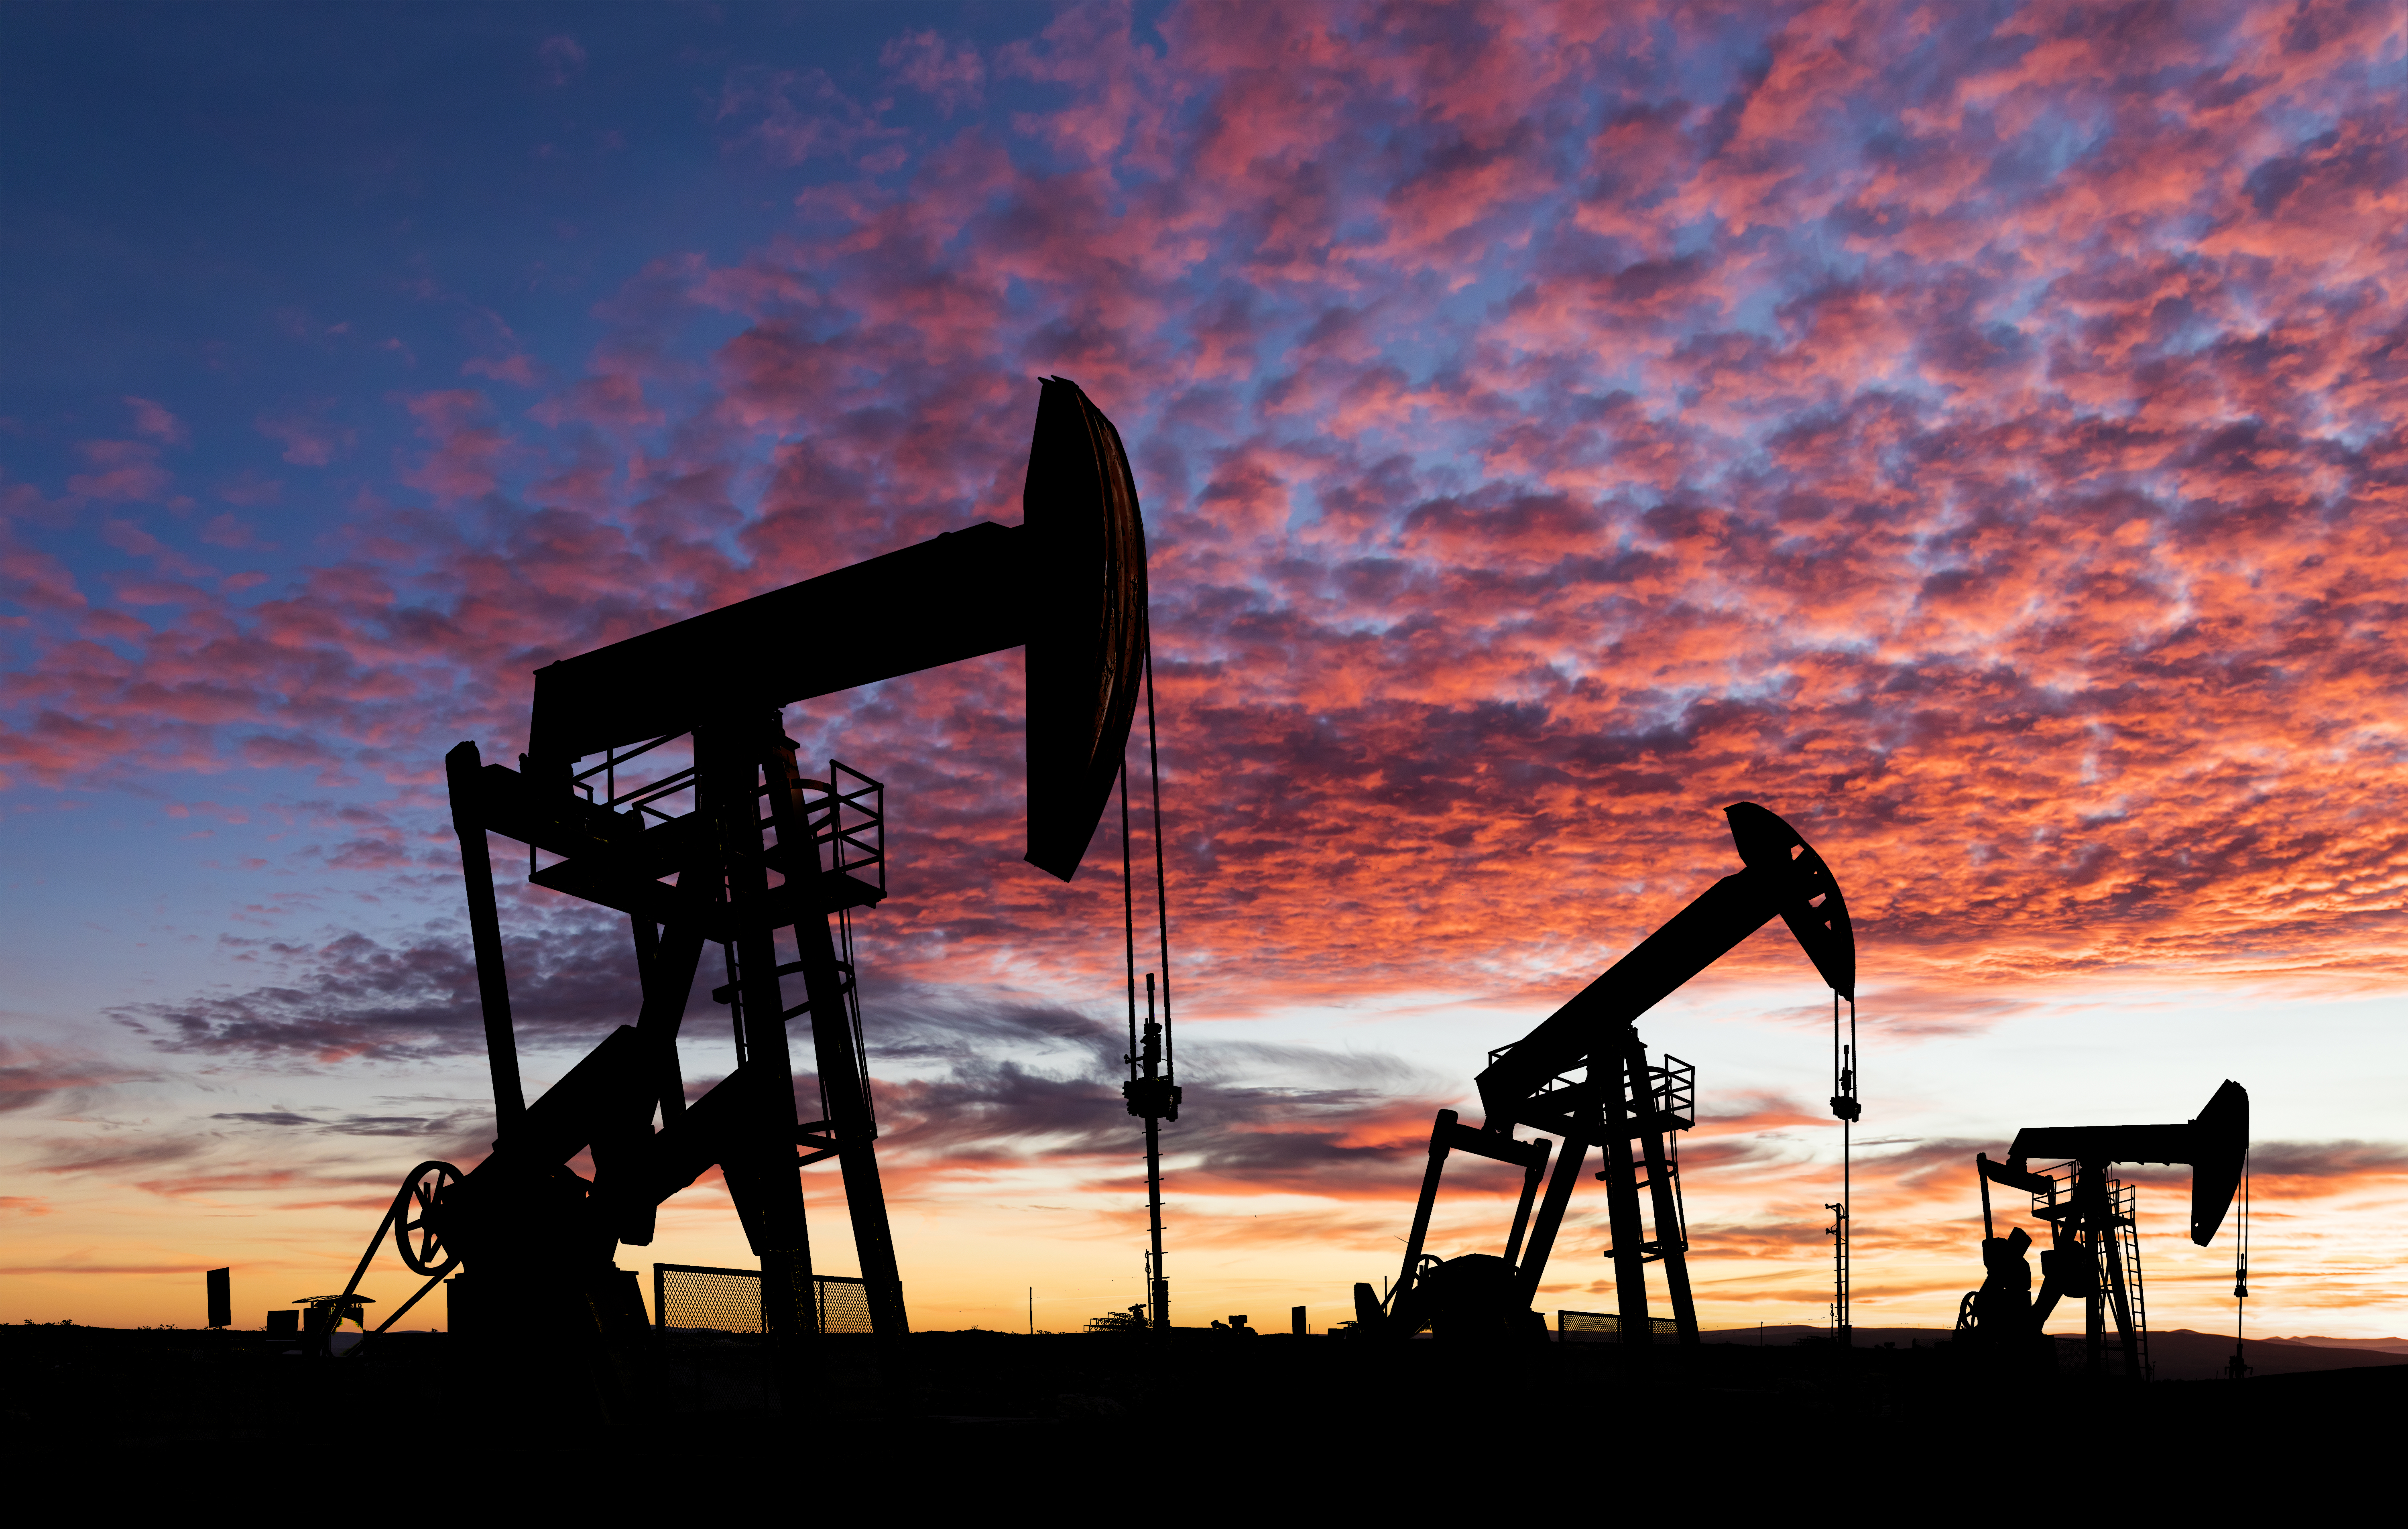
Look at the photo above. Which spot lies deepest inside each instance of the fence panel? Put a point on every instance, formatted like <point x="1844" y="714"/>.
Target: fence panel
<point x="1606" y="1327"/>
<point x="729" y="1300"/>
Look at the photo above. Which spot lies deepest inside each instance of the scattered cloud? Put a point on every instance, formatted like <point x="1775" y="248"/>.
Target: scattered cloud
<point x="154" y="421"/>
<point x="562" y="59"/>
<point x="310" y="441"/>
<point x="953" y="73"/>
<point x="350" y="996"/>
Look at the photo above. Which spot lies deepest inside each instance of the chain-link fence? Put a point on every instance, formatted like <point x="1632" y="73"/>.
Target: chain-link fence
<point x="844" y="1304"/>
<point x="1605" y="1327"/>
<point x="729" y="1300"/>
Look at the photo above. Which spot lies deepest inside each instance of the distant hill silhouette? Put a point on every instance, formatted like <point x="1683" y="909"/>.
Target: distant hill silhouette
<point x="2386" y="1345"/>
<point x="2178" y="1355"/>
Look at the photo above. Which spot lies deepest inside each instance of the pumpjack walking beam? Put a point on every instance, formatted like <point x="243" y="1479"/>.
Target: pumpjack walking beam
<point x="1622" y="1099"/>
<point x="1067" y="585"/>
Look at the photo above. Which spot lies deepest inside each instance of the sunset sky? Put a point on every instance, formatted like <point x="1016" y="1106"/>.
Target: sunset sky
<point x="1972" y="431"/>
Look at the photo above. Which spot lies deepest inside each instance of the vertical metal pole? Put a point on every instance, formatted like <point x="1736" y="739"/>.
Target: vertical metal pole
<point x="1159" y="1297"/>
<point x="460" y="767"/>
<point x="1848" y="1188"/>
<point x="1161" y="1292"/>
<point x="1845" y="1109"/>
<point x="1847" y="1229"/>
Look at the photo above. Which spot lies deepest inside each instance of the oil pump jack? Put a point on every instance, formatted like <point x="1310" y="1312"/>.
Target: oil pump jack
<point x="2096" y="1249"/>
<point x="1625" y="1104"/>
<point x="776" y="893"/>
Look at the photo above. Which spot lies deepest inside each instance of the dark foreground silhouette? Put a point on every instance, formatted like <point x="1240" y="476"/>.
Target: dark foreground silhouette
<point x="175" y="1400"/>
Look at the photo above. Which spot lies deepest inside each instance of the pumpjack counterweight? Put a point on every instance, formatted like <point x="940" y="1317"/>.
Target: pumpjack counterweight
<point x="1620" y="1103"/>
<point x="766" y="860"/>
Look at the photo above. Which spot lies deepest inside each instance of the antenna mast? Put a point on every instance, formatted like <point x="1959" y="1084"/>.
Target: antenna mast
<point x="1844" y="1105"/>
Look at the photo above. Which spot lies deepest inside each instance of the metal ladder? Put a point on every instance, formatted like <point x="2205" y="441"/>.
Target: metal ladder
<point x="2127" y="1233"/>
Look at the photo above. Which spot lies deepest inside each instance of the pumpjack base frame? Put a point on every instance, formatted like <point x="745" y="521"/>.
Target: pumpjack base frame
<point x="1634" y="1111"/>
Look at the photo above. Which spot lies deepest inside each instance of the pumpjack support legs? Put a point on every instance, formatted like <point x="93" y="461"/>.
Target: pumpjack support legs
<point x="759" y="1164"/>
<point x="758" y="886"/>
<point x="1629" y="1251"/>
<point x="743" y="770"/>
<point x="837" y="1056"/>
<point x="837" y="1050"/>
<point x="1628" y="1108"/>
<point x="1663" y="1195"/>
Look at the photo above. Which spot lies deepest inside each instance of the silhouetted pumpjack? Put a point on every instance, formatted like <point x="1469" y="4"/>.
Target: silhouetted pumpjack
<point x="537" y="1238"/>
<point x="2096" y="1251"/>
<point x="1623" y="1100"/>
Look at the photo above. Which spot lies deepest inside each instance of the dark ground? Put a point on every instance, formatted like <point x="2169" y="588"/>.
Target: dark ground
<point x="1422" y="1414"/>
<point x="2176" y="1354"/>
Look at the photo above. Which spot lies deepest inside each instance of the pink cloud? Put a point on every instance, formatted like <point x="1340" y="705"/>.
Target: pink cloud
<point x="307" y="440"/>
<point x="519" y="370"/>
<point x="466" y="448"/>
<point x="953" y="73"/>
<point x="1535" y="456"/>
<point x="130" y="537"/>
<point x="793" y="117"/>
<point x="152" y="420"/>
<point x="561" y="58"/>
<point x="122" y="471"/>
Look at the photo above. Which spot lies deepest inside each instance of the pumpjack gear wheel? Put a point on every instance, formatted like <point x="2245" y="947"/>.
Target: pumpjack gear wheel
<point x="414" y="1234"/>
